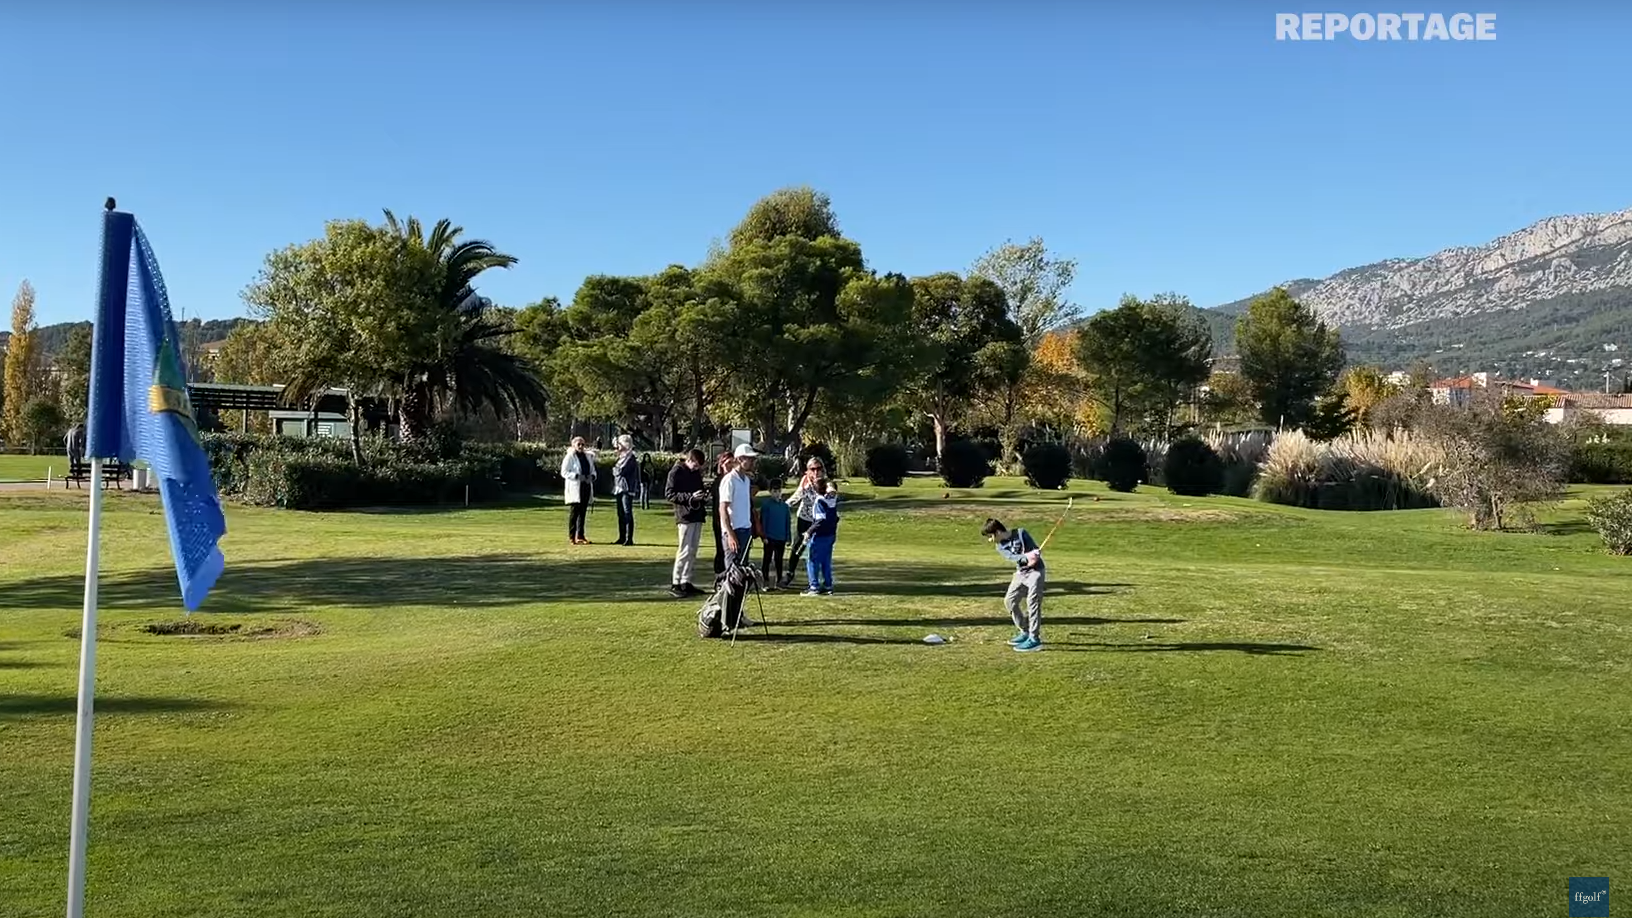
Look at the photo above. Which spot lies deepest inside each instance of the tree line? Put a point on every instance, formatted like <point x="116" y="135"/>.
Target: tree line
<point x="784" y="328"/>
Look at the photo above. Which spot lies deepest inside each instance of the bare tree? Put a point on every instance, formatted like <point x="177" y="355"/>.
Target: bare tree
<point x="1501" y="458"/>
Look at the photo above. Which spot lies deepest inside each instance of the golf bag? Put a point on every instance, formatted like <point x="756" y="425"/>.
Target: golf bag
<point x="722" y="611"/>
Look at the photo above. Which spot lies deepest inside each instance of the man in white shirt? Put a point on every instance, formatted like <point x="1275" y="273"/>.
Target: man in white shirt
<point x="737" y="504"/>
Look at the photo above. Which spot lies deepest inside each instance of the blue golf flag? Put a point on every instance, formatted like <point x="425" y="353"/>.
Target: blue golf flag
<point x="139" y="406"/>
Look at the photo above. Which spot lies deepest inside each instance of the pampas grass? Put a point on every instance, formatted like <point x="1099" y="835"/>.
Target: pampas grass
<point x="1365" y="470"/>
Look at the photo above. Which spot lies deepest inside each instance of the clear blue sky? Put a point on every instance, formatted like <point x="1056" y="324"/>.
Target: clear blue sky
<point x="1169" y="146"/>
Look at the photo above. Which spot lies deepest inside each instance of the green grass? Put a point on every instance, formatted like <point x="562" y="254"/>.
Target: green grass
<point x="1242" y="711"/>
<point x="16" y="467"/>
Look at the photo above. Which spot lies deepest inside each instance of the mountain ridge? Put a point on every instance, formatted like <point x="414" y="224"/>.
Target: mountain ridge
<point x="1553" y="299"/>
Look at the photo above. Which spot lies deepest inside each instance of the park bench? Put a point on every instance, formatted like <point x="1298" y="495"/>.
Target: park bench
<point x="114" y="473"/>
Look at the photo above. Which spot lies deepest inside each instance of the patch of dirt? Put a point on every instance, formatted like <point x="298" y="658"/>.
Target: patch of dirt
<point x="195" y="628"/>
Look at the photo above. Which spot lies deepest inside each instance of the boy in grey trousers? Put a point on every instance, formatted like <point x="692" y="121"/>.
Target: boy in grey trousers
<point x="1018" y="546"/>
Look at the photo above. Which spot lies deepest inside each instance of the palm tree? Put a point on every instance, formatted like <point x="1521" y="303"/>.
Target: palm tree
<point x="463" y="368"/>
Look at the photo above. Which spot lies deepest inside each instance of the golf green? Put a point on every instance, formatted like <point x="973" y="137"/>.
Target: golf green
<point x="1240" y="710"/>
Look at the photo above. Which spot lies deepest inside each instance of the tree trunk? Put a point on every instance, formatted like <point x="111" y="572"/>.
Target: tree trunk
<point x="940" y="436"/>
<point x="413" y="419"/>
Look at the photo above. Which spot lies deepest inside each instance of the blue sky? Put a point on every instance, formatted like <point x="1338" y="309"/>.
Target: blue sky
<point x="1165" y="146"/>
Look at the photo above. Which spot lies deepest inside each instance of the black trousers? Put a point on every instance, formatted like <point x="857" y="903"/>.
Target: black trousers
<point x="626" y="517"/>
<point x="577" y="513"/>
<point x="774" y="550"/>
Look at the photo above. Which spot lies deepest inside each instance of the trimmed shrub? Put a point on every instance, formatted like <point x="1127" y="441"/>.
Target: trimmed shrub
<point x="887" y="465"/>
<point x="1047" y="466"/>
<point x="772" y="468"/>
<point x="1611" y="516"/>
<point x="1192" y="469"/>
<point x="1122" y="465"/>
<point x="965" y="464"/>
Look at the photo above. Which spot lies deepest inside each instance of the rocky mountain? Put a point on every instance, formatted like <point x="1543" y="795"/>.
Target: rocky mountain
<point x="1553" y="299"/>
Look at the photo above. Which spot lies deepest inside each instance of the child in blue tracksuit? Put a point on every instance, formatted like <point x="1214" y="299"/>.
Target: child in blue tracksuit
<point x="1018" y="546"/>
<point x="823" y="531"/>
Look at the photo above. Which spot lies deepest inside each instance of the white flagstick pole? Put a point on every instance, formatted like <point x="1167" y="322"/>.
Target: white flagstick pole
<point x="87" y="688"/>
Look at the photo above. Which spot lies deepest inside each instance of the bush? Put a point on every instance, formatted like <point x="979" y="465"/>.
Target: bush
<point x="1122" y="465"/>
<point x="1047" y="466"/>
<point x="1192" y="469"/>
<point x="1601" y="462"/>
<point x="887" y="465"/>
<point x="965" y="464"/>
<point x="1611" y="516"/>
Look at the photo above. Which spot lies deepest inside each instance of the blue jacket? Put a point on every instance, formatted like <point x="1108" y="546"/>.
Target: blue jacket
<point x="1016" y="546"/>
<point x="825" y="510"/>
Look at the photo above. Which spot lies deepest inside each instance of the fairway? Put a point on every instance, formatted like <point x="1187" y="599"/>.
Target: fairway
<point x="1241" y="710"/>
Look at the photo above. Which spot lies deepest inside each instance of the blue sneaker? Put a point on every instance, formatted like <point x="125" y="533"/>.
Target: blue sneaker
<point x="1019" y="638"/>
<point x="1028" y="645"/>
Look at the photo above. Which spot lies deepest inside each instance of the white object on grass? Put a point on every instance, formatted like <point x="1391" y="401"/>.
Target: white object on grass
<point x="934" y="639"/>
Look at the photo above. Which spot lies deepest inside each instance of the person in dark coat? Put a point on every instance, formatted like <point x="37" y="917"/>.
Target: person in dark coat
<point x="625" y="487"/>
<point x="688" y="494"/>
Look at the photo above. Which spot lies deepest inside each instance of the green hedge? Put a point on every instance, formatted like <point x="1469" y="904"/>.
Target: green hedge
<point x="1602" y="463"/>
<point x="317" y="473"/>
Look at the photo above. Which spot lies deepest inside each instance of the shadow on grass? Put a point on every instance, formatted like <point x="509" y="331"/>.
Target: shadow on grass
<point x="948" y="580"/>
<point x="947" y="621"/>
<point x="774" y="638"/>
<point x="1246" y="647"/>
<point x="1566" y="528"/>
<point x="49" y="705"/>
<point x="473" y="582"/>
<point x="26" y="664"/>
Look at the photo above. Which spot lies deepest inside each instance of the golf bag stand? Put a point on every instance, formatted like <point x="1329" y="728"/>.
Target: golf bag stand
<point x="723" y="610"/>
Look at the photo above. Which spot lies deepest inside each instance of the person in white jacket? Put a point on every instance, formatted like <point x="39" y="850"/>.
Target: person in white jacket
<point x="578" y="480"/>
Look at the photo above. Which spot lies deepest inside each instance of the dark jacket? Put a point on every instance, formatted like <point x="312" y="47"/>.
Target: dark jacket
<point x="683" y="483"/>
<point x="626" y="475"/>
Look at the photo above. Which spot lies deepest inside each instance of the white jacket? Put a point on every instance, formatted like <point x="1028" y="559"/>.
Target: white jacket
<point x="572" y="476"/>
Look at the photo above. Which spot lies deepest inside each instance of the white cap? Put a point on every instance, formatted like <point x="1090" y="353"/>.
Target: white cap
<point x="744" y="451"/>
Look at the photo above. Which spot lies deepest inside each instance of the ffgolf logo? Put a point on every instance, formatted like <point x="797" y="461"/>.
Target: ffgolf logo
<point x="1385" y="26"/>
<point x="1589" y="897"/>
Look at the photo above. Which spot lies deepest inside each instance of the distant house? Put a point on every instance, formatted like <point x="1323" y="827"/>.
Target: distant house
<point x="1611" y="409"/>
<point x="1459" y="390"/>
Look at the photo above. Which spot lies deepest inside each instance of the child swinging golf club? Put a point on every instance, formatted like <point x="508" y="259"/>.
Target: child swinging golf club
<point x="1019" y="547"/>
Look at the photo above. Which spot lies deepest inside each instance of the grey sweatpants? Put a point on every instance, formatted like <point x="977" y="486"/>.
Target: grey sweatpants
<point x="1027" y="584"/>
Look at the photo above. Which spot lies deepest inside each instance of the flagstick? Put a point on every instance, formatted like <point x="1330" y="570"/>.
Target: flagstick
<point x="87" y="688"/>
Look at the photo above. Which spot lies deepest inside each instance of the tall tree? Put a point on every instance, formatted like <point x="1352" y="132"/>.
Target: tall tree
<point x="74" y="366"/>
<point x="962" y="324"/>
<point x="801" y="211"/>
<point x="22" y="360"/>
<point x="1035" y="285"/>
<point x="1143" y="356"/>
<point x="812" y="317"/>
<point x="391" y="311"/>
<point x="461" y="367"/>
<point x="1056" y="390"/>
<point x="1289" y="357"/>
<point x="1364" y="388"/>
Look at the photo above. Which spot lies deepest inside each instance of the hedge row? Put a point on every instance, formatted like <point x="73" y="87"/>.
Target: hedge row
<point x="1608" y="462"/>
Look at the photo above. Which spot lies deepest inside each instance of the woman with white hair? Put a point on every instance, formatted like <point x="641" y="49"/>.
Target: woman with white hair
<point x="625" y="486"/>
<point x="578" y="477"/>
